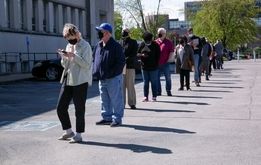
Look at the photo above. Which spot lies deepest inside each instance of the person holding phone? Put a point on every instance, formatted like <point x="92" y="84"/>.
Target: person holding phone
<point x="76" y="77"/>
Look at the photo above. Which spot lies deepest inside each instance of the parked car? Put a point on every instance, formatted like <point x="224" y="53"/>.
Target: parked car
<point x="48" y="69"/>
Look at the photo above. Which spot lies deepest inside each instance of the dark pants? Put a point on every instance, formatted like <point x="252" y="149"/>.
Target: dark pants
<point x="186" y="74"/>
<point x="78" y="94"/>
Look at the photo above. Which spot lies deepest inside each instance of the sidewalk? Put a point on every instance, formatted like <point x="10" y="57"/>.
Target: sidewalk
<point x="14" y="77"/>
<point x="218" y="123"/>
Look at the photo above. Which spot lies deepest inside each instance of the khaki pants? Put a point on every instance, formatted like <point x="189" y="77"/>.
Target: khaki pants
<point x="129" y="83"/>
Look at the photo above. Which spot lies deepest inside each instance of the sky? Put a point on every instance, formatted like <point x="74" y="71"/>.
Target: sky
<point x="175" y="8"/>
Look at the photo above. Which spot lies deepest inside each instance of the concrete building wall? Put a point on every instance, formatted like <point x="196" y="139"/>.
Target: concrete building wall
<point x="42" y="22"/>
<point x="35" y="26"/>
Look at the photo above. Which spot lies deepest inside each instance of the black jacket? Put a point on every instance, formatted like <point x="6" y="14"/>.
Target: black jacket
<point x="130" y="47"/>
<point x="108" y="60"/>
<point x="151" y="61"/>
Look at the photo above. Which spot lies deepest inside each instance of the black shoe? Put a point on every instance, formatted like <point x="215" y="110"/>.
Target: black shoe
<point x="159" y="94"/>
<point x="189" y="89"/>
<point x="169" y="94"/>
<point x="115" y="124"/>
<point x="133" y="107"/>
<point x="181" y="89"/>
<point x="103" y="122"/>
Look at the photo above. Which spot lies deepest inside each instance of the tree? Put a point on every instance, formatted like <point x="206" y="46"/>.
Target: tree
<point x="118" y="22"/>
<point x="230" y="21"/>
<point x="134" y="8"/>
<point x="136" y="33"/>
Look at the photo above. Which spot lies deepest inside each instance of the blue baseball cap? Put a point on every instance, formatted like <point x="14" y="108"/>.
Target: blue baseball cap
<point x="104" y="26"/>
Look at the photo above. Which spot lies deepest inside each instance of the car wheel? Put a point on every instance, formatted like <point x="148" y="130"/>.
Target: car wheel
<point x="52" y="73"/>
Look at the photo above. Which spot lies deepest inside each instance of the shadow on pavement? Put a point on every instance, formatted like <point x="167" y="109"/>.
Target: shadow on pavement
<point x="226" y="80"/>
<point x="183" y="102"/>
<point x="198" y="97"/>
<point x="209" y="82"/>
<point x="214" y="91"/>
<point x="211" y="86"/>
<point x="157" y="129"/>
<point x="164" y="110"/>
<point x="133" y="147"/>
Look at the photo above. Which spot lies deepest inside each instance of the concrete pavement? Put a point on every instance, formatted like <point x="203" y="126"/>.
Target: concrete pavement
<point x="218" y="123"/>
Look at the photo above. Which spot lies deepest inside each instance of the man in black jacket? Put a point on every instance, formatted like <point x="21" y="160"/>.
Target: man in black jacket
<point x="130" y="47"/>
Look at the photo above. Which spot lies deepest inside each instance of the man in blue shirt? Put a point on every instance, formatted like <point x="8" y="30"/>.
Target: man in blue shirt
<point x="108" y="64"/>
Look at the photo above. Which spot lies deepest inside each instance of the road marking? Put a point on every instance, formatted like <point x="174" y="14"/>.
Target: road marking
<point x="28" y="125"/>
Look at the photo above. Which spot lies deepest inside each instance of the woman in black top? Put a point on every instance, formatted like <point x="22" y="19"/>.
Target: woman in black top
<point x="149" y="53"/>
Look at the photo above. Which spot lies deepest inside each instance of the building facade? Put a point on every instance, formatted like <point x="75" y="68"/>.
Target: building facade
<point x="35" y="22"/>
<point x="35" y="26"/>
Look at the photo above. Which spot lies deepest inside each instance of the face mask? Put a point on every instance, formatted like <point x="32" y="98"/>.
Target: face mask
<point x="148" y="43"/>
<point x="159" y="35"/>
<point x="100" y="35"/>
<point x="125" y="34"/>
<point x="73" y="41"/>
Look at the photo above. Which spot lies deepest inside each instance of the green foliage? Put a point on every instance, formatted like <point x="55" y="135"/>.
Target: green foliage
<point x="230" y="21"/>
<point x="118" y="22"/>
<point x="136" y="33"/>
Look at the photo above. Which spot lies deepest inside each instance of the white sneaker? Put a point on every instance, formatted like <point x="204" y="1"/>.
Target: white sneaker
<point x="76" y="139"/>
<point x="66" y="136"/>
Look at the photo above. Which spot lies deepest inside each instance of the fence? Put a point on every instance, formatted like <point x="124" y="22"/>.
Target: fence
<point x="14" y="62"/>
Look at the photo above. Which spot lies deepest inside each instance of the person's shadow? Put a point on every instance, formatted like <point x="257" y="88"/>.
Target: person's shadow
<point x="157" y="129"/>
<point x="133" y="147"/>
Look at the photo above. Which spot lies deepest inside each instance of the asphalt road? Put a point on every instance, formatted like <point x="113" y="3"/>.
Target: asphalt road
<point x="218" y="123"/>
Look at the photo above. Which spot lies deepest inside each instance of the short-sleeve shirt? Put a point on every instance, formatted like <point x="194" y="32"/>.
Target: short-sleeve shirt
<point x="166" y="47"/>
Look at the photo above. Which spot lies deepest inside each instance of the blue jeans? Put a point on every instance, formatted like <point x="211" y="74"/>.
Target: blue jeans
<point x="150" y="76"/>
<point x="196" y="68"/>
<point x="111" y="93"/>
<point x="166" y="71"/>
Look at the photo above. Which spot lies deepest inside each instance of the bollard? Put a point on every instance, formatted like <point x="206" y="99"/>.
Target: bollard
<point x="254" y="53"/>
<point x="238" y="55"/>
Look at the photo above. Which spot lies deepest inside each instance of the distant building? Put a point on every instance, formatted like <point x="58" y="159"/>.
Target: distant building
<point x="191" y="8"/>
<point x="40" y="22"/>
<point x="30" y="26"/>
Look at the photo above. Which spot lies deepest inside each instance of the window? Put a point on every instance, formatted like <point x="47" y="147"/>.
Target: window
<point x="7" y="12"/>
<point x="21" y="13"/>
<point x="45" y="14"/>
<point x="55" y="19"/>
<point x="64" y="15"/>
<point x="34" y="15"/>
<point x="80" y="20"/>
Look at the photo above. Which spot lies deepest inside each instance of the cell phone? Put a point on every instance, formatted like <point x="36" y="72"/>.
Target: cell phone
<point x="63" y="51"/>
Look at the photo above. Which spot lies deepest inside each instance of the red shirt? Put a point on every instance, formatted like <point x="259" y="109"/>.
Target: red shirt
<point x="166" y="47"/>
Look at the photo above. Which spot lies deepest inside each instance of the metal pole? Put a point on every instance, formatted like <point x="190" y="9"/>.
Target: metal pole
<point x="5" y="62"/>
<point x="238" y="54"/>
<point x="254" y="53"/>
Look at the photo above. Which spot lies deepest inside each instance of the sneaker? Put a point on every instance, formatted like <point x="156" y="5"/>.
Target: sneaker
<point x="145" y="99"/>
<point x="133" y="107"/>
<point x="169" y="93"/>
<point x="75" y="139"/>
<point x="154" y="99"/>
<point x="103" y="122"/>
<point x="115" y="124"/>
<point x="181" y="89"/>
<point x="197" y="84"/>
<point x="66" y="136"/>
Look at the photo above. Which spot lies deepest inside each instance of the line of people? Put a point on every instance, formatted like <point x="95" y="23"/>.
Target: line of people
<point x="114" y="64"/>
